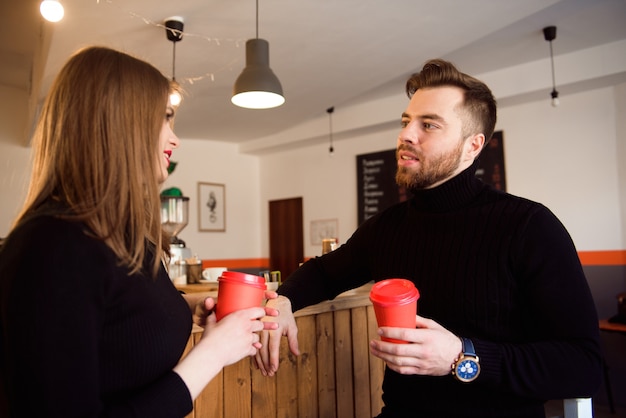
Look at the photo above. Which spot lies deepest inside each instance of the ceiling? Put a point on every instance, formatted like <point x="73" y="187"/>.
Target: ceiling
<point x="325" y="52"/>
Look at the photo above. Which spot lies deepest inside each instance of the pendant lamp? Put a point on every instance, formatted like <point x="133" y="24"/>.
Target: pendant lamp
<point x="257" y="87"/>
<point x="174" y="31"/>
<point x="331" y="149"/>
<point x="549" y="34"/>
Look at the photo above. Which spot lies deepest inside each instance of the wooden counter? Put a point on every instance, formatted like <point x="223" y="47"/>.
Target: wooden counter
<point x="334" y="375"/>
<point x="606" y="325"/>
<point x="198" y="288"/>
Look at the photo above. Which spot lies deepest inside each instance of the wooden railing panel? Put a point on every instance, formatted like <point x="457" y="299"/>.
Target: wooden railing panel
<point x="237" y="390"/>
<point x="327" y="392"/>
<point x="286" y="390"/>
<point x="377" y="366"/>
<point x="307" y="368"/>
<point x="361" y="365"/>
<point x="343" y="364"/>
<point x="210" y="403"/>
<point x="334" y="376"/>
<point x="263" y="394"/>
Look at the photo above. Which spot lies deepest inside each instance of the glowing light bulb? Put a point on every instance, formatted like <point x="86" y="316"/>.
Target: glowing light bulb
<point x="555" y="98"/>
<point x="175" y="98"/>
<point x="51" y="10"/>
<point x="555" y="102"/>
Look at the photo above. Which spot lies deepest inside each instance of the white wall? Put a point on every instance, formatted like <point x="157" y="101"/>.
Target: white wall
<point x="567" y="158"/>
<point x="15" y="160"/>
<point x="620" y="127"/>
<point x="217" y="162"/>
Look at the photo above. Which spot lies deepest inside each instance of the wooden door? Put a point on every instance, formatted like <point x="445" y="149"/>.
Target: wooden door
<point x="286" y="235"/>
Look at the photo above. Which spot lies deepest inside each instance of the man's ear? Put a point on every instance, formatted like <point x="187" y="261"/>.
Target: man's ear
<point x="474" y="145"/>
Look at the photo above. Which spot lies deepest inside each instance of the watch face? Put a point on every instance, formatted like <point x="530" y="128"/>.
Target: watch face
<point x="467" y="370"/>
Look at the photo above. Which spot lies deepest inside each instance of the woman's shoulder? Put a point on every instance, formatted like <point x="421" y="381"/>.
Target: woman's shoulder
<point x="48" y="234"/>
<point x="46" y="248"/>
<point x="49" y="226"/>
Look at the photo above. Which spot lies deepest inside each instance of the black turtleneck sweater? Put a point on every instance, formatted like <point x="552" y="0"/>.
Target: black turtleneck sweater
<point x="496" y="268"/>
<point x="79" y="336"/>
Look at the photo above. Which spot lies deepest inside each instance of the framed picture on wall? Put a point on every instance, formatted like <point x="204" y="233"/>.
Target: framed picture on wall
<point x="211" y="207"/>
<point x="323" y="228"/>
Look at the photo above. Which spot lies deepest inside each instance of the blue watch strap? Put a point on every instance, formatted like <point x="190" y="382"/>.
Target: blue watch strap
<point x="468" y="346"/>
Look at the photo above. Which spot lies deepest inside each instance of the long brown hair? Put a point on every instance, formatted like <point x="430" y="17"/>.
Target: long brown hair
<point x="96" y="151"/>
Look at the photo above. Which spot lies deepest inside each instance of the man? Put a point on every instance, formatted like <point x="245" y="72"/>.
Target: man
<point x="502" y="289"/>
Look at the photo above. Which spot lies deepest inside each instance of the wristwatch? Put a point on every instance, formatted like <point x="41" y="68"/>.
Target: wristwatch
<point x="466" y="367"/>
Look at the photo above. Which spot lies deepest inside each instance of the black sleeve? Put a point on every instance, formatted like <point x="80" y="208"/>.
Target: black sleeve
<point x="563" y="359"/>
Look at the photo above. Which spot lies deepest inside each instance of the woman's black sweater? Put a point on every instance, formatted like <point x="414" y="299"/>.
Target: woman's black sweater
<point x="79" y="336"/>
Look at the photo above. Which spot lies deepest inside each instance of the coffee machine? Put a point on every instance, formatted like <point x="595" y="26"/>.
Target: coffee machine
<point x="174" y="218"/>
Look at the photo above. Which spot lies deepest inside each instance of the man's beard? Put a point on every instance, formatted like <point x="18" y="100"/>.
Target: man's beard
<point x="430" y="171"/>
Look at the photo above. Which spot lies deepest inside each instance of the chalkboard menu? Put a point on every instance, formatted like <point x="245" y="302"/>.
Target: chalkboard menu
<point x="376" y="177"/>
<point x="376" y="182"/>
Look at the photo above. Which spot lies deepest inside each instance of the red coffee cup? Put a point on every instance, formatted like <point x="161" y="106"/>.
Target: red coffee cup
<point x="238" y="291"/>
<point x="395" y="304"/>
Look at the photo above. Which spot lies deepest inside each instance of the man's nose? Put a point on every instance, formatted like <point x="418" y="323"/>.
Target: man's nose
<point x="408" y="134"/>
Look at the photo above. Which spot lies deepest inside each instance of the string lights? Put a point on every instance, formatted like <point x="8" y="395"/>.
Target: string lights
<point x="219" y="42"/>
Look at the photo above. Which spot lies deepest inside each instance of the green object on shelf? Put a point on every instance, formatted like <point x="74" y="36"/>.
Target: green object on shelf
<point x="172" y="191"/>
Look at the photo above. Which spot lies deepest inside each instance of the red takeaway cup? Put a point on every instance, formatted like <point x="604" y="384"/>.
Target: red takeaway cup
<point x="237" y="291"/>
<point x="395" y="304"/>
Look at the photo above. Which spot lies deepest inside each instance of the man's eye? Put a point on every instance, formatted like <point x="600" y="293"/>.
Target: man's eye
<point x="429" y="125"/>
<point x="404" y="123"/>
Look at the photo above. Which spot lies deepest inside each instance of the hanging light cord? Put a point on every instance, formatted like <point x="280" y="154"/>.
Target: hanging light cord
<point x="174" y="62"/>
<point x="257" y="19"/>
<point x="330" y="111"/>
<point x="553" y="78"/>
<point x="549" y="34"/>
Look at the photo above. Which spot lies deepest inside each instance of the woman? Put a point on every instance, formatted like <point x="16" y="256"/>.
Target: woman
<point x="91" y="324"/>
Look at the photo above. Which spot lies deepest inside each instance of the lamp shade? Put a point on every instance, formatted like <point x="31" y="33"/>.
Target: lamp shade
<point x="257" y="87"/>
